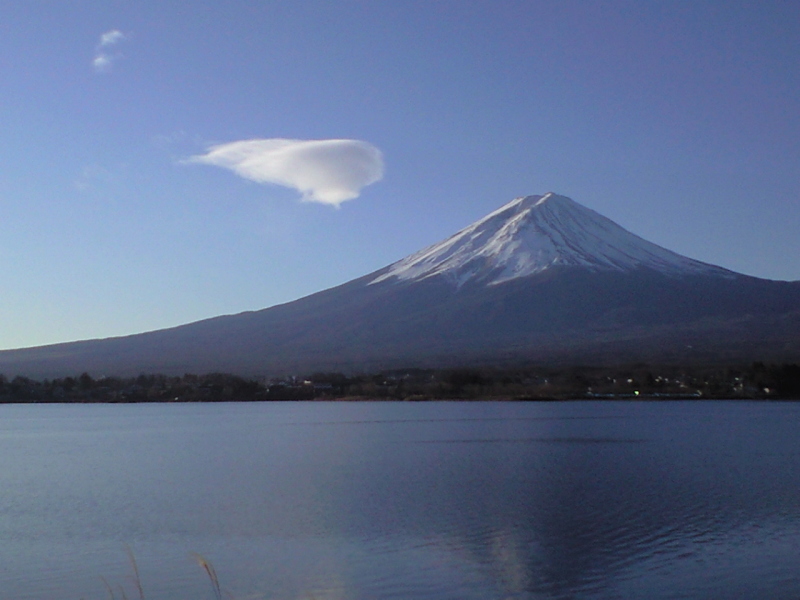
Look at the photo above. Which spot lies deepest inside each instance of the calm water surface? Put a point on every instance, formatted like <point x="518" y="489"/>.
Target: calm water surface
<point x="400" y="500"/>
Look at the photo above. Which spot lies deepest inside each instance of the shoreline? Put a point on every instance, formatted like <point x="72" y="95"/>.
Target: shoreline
<point x="360" y="399"/>
<point x="638" y="382"/>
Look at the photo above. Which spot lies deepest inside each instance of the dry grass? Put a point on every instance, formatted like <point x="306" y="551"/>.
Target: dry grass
<point x="212" y="574"/>
<point x="137" y="580"/>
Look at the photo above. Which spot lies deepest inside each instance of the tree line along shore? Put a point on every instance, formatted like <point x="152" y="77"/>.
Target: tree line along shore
<point x="755" y="381"/>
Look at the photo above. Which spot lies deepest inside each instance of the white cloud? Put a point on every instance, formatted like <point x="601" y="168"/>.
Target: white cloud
<point x="101" y="63"/>
<point x="109" y="38"/>
<point x="326" y="171"/>
<point x="103" y="59"/>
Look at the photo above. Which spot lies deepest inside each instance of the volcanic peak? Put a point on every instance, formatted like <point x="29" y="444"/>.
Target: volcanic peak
<point x="531" y="234"/>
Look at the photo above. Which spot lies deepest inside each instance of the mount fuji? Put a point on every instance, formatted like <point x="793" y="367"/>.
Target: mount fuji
<point x="542" y="279"/>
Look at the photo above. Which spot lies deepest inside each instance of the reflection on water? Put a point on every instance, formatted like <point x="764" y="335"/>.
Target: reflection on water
<point x="392" y="500"/>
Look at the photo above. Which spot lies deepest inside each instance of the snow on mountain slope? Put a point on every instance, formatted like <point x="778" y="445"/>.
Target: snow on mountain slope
<point x="532" y="234"/>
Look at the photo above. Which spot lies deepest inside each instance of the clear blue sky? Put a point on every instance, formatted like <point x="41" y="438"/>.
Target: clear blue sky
<point x="679" y="120"/>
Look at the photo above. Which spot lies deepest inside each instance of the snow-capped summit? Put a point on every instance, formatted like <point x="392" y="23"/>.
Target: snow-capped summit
<point x="534" y="233"/>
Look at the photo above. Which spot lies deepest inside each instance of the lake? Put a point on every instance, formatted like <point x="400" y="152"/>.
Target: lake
<point x="445" y="500"/>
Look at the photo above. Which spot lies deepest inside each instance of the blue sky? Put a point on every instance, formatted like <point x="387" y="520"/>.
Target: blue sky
<point x="678" y="120"/>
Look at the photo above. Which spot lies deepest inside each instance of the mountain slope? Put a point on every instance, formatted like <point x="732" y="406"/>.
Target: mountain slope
<point x="541" y="279"/>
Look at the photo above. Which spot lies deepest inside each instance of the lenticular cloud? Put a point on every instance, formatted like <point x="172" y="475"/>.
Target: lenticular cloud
<point x="326" y="171"/>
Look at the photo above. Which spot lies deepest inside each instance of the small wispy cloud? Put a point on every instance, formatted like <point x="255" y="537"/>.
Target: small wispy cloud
<point x="325" y="171"/>
<point x="103" y="57"/>
<point x="109" y="38"/>
<point x="101" y="63"/>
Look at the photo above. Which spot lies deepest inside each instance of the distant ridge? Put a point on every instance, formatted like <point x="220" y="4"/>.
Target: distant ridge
<point x="541" y="279"/>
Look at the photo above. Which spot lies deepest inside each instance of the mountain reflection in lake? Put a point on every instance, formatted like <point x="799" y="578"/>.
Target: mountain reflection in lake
<point x="401" y="500"/>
